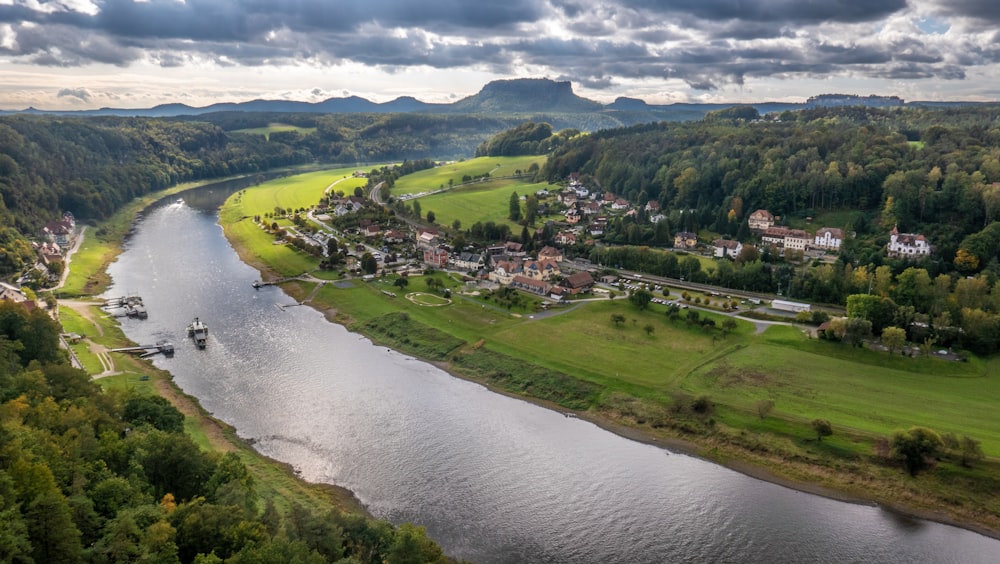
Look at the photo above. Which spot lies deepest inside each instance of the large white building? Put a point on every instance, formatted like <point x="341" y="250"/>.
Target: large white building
<point x="829" y="238"/>
<point x="727" y="248"/>
<point x="907" y="245"/>
<point x="760" y="220"/>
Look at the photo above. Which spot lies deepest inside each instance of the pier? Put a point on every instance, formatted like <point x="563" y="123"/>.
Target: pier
<point x="164" y="347"/>
<point x="131" y="305"/>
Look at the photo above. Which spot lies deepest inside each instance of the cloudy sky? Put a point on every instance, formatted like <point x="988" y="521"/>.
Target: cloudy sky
<point x="78" y="54"/>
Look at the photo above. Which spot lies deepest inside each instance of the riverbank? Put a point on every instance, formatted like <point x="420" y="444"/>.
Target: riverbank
<point x="86" y="279"/>
<point x="772" y="459"/>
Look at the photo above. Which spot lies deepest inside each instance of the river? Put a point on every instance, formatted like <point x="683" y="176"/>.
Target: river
<point x="494" y="479"/>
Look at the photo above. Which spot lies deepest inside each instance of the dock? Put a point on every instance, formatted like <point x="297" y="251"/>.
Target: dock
<point x="164" y="347"/>
<point x="131" y="305"/>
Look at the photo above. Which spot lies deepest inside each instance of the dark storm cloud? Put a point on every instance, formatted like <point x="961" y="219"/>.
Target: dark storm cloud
<point x="247" y="19"/>
<point x="982" y="10"/>
<point x="706" y="43"/>
<point x="852" y="54"/>
<point x="68" y="46"/>
<point x="789" y="11"/>
<point x="80" y="93"/>
<point x="749" y="30"/>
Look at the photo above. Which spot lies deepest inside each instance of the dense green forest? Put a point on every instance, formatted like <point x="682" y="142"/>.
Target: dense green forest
<point x="529" y="138"/>
<point x="933" y="172"/>
<point x="937" y="166"/>
<point x="87" y="476"/>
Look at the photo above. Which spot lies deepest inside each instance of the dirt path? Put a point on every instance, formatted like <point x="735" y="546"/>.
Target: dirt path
<point x="85" y="309"/>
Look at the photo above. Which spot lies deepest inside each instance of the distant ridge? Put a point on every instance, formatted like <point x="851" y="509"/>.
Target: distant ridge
<point x="834" y="100"/>
<point x="515" y="96"/>
<point x="526" y="95"/>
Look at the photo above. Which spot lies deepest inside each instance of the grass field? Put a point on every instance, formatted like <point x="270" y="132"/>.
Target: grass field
<point x="866" y="391"/>
<point x="299" y="191"/>
<point x="275" y="128"/>
<point x="438" y="177"/>
<point x="486" y="201"/>
<point x="293" y="192"/>
<point x="837" y="218"/>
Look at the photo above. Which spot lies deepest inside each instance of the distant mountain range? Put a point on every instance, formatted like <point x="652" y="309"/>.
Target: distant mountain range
<point x="516" y="96"/>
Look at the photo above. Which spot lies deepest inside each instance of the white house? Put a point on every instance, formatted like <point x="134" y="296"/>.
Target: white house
<point x="797" y="239"/>
<point x="829" y="238"/>
<point x="907" y="245"/>
<point x="727" y="248"/>
<point x="760" y="220"/>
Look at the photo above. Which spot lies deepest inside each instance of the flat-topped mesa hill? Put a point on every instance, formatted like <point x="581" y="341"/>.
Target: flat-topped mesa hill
<point x="511" y="97"/>
<point x="526" y="95"/>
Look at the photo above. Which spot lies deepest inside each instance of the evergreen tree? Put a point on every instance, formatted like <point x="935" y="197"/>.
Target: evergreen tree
<point x="515" y="207"/>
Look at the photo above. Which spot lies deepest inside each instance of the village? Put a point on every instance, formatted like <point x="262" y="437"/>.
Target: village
<point x="407" y="246"/>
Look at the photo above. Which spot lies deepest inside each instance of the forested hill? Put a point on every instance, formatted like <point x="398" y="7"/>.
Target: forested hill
<point x="92" y="166"/>
<point x="929" y="171"/>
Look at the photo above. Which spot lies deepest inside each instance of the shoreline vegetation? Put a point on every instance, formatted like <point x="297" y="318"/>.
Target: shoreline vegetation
<point x="768" y="457"/>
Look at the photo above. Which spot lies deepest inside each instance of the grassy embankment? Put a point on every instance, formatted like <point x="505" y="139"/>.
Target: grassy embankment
<point x="637" y="381"/>
<point x="275" y="481"/>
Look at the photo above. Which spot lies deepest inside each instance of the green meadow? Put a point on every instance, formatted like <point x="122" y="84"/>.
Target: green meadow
<point x="299" y="191"/>
<point x="276" y="128"/>
<point x="860" y="391"/>
<point x="479" y="202"/>
<point x="453" y="172"/>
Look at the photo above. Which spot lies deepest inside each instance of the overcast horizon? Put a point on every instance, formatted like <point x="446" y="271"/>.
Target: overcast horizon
<point x="89" y="54"/>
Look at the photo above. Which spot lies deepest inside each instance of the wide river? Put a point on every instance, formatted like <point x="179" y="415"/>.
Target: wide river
<point x="493" y="479"/>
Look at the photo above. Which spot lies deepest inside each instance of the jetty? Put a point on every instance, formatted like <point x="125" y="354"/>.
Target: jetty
<point x="164" y="347"/>
<point x="198" y="331"/>
<point x="131" y="305"/>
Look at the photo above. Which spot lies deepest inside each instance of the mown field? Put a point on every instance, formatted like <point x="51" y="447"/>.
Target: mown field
<point x="858" y="391"/>
<point x="300" y="191"/>
<point x="480" y="202"/>
<point x="276" y="128"/>
<point x="439" y="177"/>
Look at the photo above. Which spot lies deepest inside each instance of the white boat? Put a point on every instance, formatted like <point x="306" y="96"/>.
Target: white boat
<point x="199" y="332"/>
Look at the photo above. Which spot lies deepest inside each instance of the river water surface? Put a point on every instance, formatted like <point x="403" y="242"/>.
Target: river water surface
<point x="494" y="479"/>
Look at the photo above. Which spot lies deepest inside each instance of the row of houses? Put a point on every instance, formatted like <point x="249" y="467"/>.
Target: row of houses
<point x="901" y="245"/>
<point x="508" y="265"/>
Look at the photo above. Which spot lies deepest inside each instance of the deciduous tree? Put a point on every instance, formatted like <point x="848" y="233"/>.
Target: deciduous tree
<point x="914" y="447"/>
<point x="822" y="428"/>
<point x="894" y="338"/>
